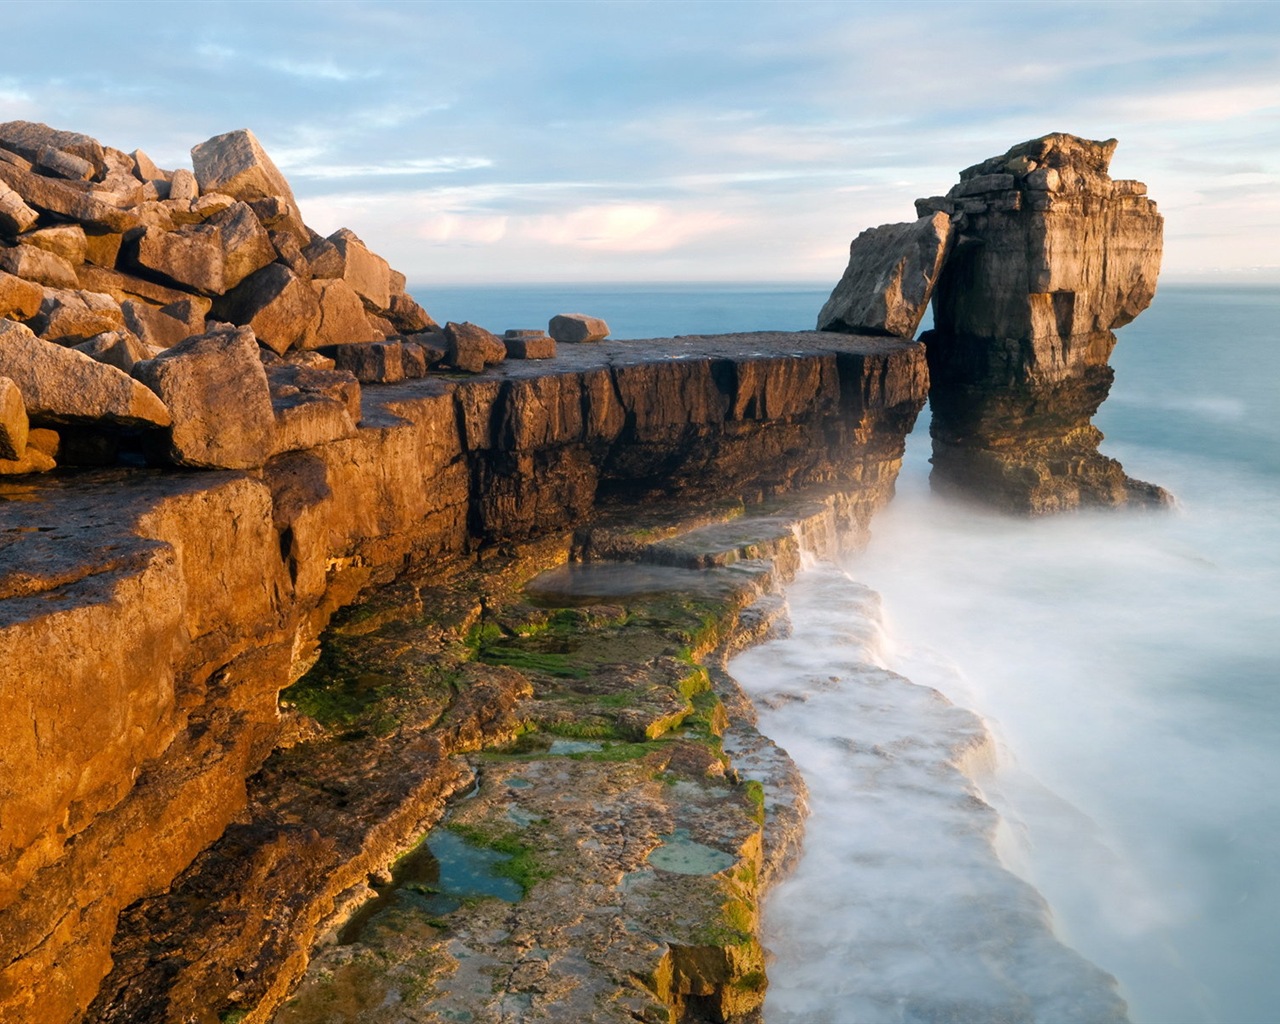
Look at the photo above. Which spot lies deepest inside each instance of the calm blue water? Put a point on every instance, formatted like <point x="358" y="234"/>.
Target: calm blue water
<point x="1128" y="664"/>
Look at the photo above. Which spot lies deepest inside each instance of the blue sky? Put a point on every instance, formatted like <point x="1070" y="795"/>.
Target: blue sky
<point x="494" y="142"/>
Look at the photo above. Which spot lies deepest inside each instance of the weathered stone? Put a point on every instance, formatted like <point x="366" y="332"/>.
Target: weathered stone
<point x="1074" y="260"/>
<point x="216" y="389"/>
<point x="323" y="257"/>
<point x="378" y="362"/>
<point x="70" y="316"/>
<point x="65" y="240"/>
<point x="235" y="164"/>
<point x="312" y="407"/>
<point x="60" y="385"/>
<point x="981" y="183"/>
<point x="889" y="280"/>
<point x="207" y="206"/>
<point x="407" y="317"/>
<point x="145" y="169"/>
<point x="367" y="273"/>
<point x="190" y="256"/>
<point x="532" y="345"/>
<point x="122" y="286"/>
<point x="381" y="326"/>
<point x="35" y="264"/>
<point x="13" y="159"/>
<point x="183" y="186"/>
<point x="472" y="348"/>
<point x="289" y="252"/>
<point x="40" y="455"/>
<point x="342" y="316"/>
<point x="15" y="215"/>
<point x="30" y="138"/>
<point x="120" y="349"/>
<point x="245" y="245"/>
<point x="13" y="421"/>
<point x="281" y="308"/>
<point x="60" y="164"/>
<point x="413" y="359"/>
<point x="102" y="248"/>
<point x="275" y="211"/>
<point x="433" y="344"/>
<point x="19" y="299"/>
<point x="157" y="327"/>
<point x="73" y="200"/>
<point x="577" y="327"/>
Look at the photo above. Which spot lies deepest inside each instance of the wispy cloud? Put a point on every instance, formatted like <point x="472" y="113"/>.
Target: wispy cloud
<point x="303" y="167"/>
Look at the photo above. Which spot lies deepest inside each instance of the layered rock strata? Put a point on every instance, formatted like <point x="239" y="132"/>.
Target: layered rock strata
<point x="1030" y="262"/>
<point x="117" y="771"/>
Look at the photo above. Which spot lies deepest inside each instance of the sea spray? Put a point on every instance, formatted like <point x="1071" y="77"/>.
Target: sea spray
<point x="899" y="909"/>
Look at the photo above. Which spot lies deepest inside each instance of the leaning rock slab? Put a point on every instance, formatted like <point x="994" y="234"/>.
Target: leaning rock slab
<point x="236" y="165"/>
<point x="280" y="307"/>
<point x="13" y="421"/>
<point x="216" y="389"/>
<point x="368" y="274"/>
<point x="577" y="327"/>
<point x="342" y="316"/>
<point x="15" y="215"/>
<point x="889" y="280"/>
<point x="246" y="247"/>
<point x="61" y="385"/>
<point x="31" y="138"/>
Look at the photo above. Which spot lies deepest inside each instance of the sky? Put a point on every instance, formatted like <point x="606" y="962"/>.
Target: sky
<point x="504" y="142"/>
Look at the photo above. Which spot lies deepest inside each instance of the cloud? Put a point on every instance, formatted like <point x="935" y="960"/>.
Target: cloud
<point x="305" y="167"/>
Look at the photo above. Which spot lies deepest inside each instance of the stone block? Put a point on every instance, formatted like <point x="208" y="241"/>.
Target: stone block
<point x="183" y="186"/>
<point x="289" y="252"/>
<point x="472" y="348"/>
<point x="70" y="316"/>
<point x="378" y="362"/>
<point x="236" y="165"/>
<point x="102" y="248"/>
<point x="61" y="164"/>
<point x="65" y="240"/>
<point x="19" y="299"/>
<point x="577" y="328"/>
<point x="15" y="215"/>
<point x="29" y="138"/>
<point x="890" y="278"/>
<point x="342" y="316"/>
<point x="529" y="345"/>
<point x="122" y="286"/>
<point x="190" y="256"/>
<point x="63" y="386"/>
<point x="35" y="264"/>
<point x="70" y="199"/>
<point x="281" y="308"/>
<point x="312" y="407"/>
<point x="407" y="317"/>
<point x="145" y="169"/>
<point x="413" y="359"/>
<point x="155" y="326"/>
<point x="13" y="421"/>
<point x="120" y="349"/>
<point x="216" y="390"/>
<point x="323" y="257"/>
<point x="246" y="248"/>
<point x="366" y="272"/>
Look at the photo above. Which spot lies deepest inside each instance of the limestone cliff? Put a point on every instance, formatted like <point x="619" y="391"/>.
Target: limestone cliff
<point x="148" y="620"/>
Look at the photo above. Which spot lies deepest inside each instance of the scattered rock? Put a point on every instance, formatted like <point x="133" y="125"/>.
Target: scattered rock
<point x="407" y="317"/>
<point x="61" y="385"/>
<point x="19" y="299"/>
<point x="13" y="421"/>
<point x="35" y="264"/>
<point x="216" y="389"/>
<point x="889" y="280"/>
<point x="577" y="327"/>
<point x="158" y="327"/>
<point x="529" y="345"/>
<point x="279" y="306"/>
<point x="63" y="165"/>
<point x="71" y="200"/>
<point x="183" y="186"/>
<point x="472" y="348"/>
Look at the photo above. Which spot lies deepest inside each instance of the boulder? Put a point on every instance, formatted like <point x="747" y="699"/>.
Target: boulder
<point x="367" y="273"/>
<point x="42" y="450"/>
<point x="145" y="169"/>
<point x="157" y="327"/>
<point x="281" y="308"/>
<point x="190" y="256"/>
<point x="70" y="316"/>
<point x="246" y="247"/>
<point x="889" y="280"/>
<point x="183" y="187"/>
<point x="522" y="344"/>
<point x="13" y="421"/>
<point x="15" y="215"/>
<point x="323" y="258"/>
<point x="472" y="348"/>
<point x="65" y="240"/>
<point x="120" y="349"/>
<point x="73" y="200"/>
<point x="31" y="138"/>
<point x="61" y="385"/>
<point x="102" y="248"/>
<point x="577" y="327"/>
<point x="413" y="360"/>
<point x="34" y="264"/>
<point x="216" y="390"/>
<point x="275" y="212"/>
<point x="19" y="299"/>
<point x="58" y="164"/>
<point x="342" y="316"/>
<point x="407" y="317"/>
<point x="312" y="406"/>
<point x="236" y="165"/>
<point x="379" y="362"/>
<point x="289" y="252"/>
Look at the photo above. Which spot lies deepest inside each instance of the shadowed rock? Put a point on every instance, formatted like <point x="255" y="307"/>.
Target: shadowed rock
<point x="281" y="308"/>
<point x="890" y="278"/>
<point x="19" y="299"/>
<point x="60" y="385"/>
<point x="216" y="389"/>
<point x="13" y="421"/>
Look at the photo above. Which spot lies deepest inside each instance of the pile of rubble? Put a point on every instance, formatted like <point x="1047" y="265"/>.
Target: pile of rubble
<point x="190" y="317"/>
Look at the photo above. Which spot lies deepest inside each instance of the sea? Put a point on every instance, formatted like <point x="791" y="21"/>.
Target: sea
<point x="1012" y="727"/>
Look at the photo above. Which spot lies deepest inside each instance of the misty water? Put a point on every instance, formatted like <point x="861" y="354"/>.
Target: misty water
<point x="1124" y="664"/>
